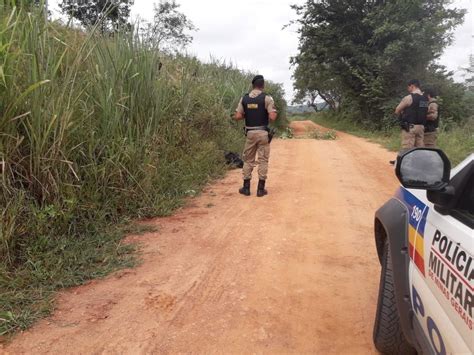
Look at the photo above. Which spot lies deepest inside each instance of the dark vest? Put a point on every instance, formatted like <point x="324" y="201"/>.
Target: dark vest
<point x="416" y="113"/>
<point x="256" y="114"/>
<point x="430" y="126"/>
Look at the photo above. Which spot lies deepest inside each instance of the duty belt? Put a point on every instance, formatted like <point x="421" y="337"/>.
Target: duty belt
<point x="259" y="128"/>
<point x="411" y="125"/>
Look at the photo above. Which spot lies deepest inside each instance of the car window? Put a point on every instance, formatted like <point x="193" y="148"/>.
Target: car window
<point x="464" y="209"/>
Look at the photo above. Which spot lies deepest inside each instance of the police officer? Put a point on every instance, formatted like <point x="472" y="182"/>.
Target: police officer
<point x="258" y="110"/>
<point x="432" y="119"/>
<point x="413" y="110"/>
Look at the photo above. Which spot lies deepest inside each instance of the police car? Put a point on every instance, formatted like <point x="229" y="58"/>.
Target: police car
<point x="424" y="237"/>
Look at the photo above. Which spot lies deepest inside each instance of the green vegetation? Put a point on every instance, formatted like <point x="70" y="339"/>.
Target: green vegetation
<point x="109" y="15"/>
<point x="382" y="45"/>
<point x="363" y="76"/>
<point x="97" y="131"/>
<point x="287" y="133"/>
<point x="456" y="141"/>
<point x="319" y="135"/>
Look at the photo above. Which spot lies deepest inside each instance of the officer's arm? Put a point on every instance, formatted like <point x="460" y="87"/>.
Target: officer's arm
<point x="270" y="106"/>
<point x="238" y="116"/>
<point x="406" y="102"/>
<point x="239" y="112"/>
<point x="432" y="112"/>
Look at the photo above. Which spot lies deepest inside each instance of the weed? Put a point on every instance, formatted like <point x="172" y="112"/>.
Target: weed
<point x="287" y="133"/>
<point x="322" y="135"/>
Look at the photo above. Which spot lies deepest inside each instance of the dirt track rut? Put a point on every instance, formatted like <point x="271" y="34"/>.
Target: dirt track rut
<point x="294" y="272"/>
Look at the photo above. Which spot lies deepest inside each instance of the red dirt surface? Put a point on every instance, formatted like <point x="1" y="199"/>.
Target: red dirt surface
<point x="302" y="128"/>
<point x="293" y="272"/>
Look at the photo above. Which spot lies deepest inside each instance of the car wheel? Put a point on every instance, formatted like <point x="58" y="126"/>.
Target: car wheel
<point x="388" y="335"/>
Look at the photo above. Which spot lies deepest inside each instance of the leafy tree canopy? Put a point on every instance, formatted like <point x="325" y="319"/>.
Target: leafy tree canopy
<point x="361" y="53"/>
<point x="108" y="15"/>
<point x="168" y="31"/>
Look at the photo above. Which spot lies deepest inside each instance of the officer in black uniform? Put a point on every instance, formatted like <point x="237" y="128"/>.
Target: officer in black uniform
<point x="432" y="119"/>
<point x="258" y="110"/>
<point x="413" y="110"/>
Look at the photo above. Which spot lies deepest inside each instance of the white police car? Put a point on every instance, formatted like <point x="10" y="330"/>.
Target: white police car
<point x="425" y="241"/>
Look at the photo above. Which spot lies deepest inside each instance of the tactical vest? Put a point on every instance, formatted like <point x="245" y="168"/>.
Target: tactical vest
<point x="430" y="126"/>
<point x="256" y="114"/>
<point x="416" y="113"/>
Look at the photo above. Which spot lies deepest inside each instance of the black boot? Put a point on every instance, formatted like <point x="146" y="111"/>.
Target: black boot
<point x="261" y="189"/>
<point x="245" y="190"/>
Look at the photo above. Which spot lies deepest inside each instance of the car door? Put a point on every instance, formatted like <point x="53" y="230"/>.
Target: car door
<point x="442" y="268"/>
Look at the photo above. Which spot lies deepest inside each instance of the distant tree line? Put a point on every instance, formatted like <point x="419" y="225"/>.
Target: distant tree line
<point x="358" y="55"/>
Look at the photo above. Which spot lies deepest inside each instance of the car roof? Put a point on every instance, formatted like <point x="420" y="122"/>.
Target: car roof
<point x="462" y="164"/>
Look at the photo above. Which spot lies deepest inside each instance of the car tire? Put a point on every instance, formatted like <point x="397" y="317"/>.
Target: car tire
<point x="388" y="336"/>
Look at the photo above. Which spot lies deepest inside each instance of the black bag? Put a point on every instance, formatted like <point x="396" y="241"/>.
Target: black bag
<point x="233" y="159"/>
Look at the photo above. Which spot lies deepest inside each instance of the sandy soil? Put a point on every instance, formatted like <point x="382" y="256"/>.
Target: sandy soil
<point x="293" y="272"/>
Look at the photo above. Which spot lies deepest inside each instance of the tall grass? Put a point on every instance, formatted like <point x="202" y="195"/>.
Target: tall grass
<point x="95" y="131"/>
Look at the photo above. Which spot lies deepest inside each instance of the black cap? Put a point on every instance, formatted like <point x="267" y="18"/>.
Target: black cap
<point x="415" y="82"/>
<point x="257" y="77"/>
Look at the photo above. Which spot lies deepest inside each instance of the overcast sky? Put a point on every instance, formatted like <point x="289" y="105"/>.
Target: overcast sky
<point x="249" y="33"/>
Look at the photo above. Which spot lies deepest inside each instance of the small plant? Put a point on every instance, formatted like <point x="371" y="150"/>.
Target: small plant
<point x="327" y="135"/>
<point x="287" y="133"/>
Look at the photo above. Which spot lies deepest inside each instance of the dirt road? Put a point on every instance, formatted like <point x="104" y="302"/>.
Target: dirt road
<point x="294" y="272"/>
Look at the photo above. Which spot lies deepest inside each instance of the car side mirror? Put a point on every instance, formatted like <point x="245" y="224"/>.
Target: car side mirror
<point x="423" y="168"/>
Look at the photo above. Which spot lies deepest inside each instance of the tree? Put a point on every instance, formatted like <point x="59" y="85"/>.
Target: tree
<point x="312" y="82"/>
<point x="469" y="74"/>
<point x="23" y="3"/>
<point x="371" y="48"/>
<point x="108" y="15"/>
<point x="169" y="26"/>
<point x="468" y="98"/>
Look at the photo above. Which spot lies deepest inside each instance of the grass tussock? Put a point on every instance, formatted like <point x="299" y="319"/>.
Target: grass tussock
<point x="287" y="133"/>
<point x="457" y="141"/>
<point x="96" y="131"/>
<point x="322" y="135"/>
